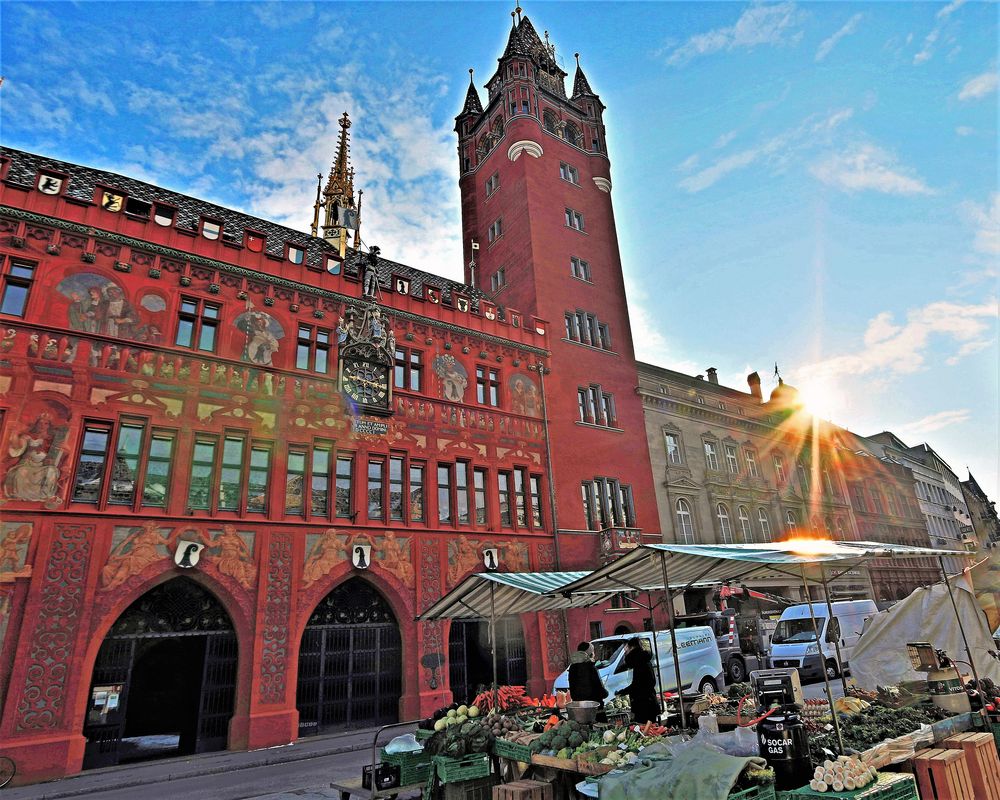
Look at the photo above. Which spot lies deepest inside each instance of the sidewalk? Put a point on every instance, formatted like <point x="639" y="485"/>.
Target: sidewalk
<point x="170" y="769"/>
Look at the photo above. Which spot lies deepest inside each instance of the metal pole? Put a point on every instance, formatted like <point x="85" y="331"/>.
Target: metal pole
<point x="836" y="642"/>
<point x="493" y="638"/>
<point x="826" y="678"/>
<point x="965" y="640"/>
<point x="673" y="638"/>
<point x="656" y="653"/>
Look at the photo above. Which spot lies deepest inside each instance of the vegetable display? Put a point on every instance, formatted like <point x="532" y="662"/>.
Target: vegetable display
<point x="458" y="740"/>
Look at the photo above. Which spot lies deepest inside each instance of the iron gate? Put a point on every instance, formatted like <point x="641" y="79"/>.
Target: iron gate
<point x="350" y="662"/>
<point x="179" y="608"/>
<point x="470" y="665"/>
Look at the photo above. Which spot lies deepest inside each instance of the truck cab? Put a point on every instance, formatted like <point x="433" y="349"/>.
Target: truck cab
<point x="738" y="639"/>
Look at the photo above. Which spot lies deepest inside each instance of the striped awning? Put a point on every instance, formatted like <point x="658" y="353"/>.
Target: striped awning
<point x="651" y="567"/>
<point x="512" y="593"/>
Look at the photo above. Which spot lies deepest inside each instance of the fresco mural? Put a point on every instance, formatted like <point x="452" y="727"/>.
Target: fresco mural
<point x="99" y="305"/>
<point x="524" y="395"/>
<point x="36" y="452"/>
<point x="454" y="378"/>
<point x="262" y="332"/>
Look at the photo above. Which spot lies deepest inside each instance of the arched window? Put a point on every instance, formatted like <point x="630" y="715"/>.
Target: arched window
<point x="841" y="533"/>
<point x="572" y="134"/>
<point x="725" y="528"/>
<point x="790" y="521"/>
<point x="745" y="528"/>
<point x="765" y="525"/>
<point x="550" y="122"/>
<point x="685" y="524"/>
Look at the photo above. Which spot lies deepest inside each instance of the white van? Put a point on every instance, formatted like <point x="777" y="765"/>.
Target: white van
<point x="793" y="643"/>
<point x="701" y="666"/>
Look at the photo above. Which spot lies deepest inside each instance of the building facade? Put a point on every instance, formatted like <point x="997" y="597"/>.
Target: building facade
<point x="732" y="467"/>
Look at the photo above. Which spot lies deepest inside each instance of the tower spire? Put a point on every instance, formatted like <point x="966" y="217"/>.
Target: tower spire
<point x="472" y="104"/>
<point x="341" y="213"/>
<point x="581" y="86"/>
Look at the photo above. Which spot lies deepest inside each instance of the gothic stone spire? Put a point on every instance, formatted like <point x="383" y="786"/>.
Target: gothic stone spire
<point x="472" y="104"/>
<point x="581" y="86"/>
<point x="341" y="183"/>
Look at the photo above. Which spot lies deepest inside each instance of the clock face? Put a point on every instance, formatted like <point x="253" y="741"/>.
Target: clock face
<point x="366" y="384"/>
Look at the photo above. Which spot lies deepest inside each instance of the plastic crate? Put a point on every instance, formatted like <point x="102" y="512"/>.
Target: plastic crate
<point x="414" y="767"/>
<point x="422" y="735"/>
<point x="478" y="789"/>
<point x="453" y="770"/>
<point x="995" y="729"/>
<point x="386" y="776"/>
<point x="890" y="786"/>
<point x="512" y="750"/>
<point x="754" y="793"/>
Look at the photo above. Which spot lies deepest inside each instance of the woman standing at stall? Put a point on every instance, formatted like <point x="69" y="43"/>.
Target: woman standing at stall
<point x="584" y="680"/>
<point x="642" y="690"/>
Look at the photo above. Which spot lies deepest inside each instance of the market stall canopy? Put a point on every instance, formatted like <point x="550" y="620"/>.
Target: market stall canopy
<point x="688" y="564"/>
<point x="512" y="593"/>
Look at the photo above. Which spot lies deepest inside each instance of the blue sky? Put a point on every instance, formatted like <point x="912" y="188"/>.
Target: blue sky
<point x="808" y="183"/>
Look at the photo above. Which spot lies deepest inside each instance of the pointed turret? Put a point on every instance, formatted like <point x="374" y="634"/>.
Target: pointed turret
<point x="581" y="86"/>
<point x="472" y="104"/>
<point x="340" y="183"/>
<point x="341" y="214"/>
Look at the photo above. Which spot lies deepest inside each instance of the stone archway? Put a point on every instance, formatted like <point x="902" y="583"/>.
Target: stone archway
<point x="164" y="681"/>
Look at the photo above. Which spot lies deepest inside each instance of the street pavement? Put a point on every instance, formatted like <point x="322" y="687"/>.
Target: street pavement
<point x="299" y="771"/>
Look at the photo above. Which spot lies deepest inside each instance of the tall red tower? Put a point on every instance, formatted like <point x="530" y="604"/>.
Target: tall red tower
<point x="540" y="238"/>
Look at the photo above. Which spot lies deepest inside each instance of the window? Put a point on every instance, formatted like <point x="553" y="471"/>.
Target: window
<point x="258" y="479"/>
<point x="520" y="497"/>
<point x="725" y="528"/>
<point x="231" y="476"/>
<point x="585" y="328"/>
<point x="572" y="134"/>
<point x="803" y="476"/>
<point x="569" y="173"/>
<point x="295" y="481"/>
<point x="16" y="285"/>
<point x="858" y="497"/>
<point x="416" y="492"/>
<point x="125" y="465"/>
<point x="479" y="494"/>
<point x="344" y="506"/>
<point x="790" y="520"/>
<point x="503" y="497"/>
<point x="376" y="485"/>
<point x="492" y="183"/>
<point x="877" y="501"/>
<point x="608" y="504"/>
<point x="673" y="442"/>
<point x="828" y="482"/>
<point x="312" y="350"/>
<point x="408" y="369"/>
<point x="711" y="456"/>
<point x="495" y="231"/>
<point x="890" y="501"/>
<point x="685" y="525"/>
<point x="751" y="459"/>
<point x="745" y="528"/>
<point x="732" y="461"/>
<point x="779" y="467"/>
<point x="462" y="492"/>
<point x="498" y="280"/>
<point x="197" y="325"/>
<point x="396" y="493"/>
<point x="159" y="458"/>
<point x="574" y="219"/>
<point x="596" y="407"/>
<point x="444" y="493"/>
<point x="202" y="469"/>
<point x="579" y="268"/>
<point x="91" y="462"/>
<point x="296" y="254"/>
<point x="536" y="501"/>
<point x="487" y="386"/>
<point x="765" y="525"/>
<point x="137" y="208"/>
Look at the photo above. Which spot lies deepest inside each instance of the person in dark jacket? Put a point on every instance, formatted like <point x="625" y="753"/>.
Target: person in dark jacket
<point x="642" y="690"/>
<point x="584" y="680"/>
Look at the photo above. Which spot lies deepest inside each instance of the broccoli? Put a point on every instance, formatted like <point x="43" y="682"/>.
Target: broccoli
<point x="559" y="742"/>
<point x="575" y="739"/>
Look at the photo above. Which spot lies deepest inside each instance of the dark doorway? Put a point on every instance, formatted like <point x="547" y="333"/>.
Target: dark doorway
<point x="350" y="662"/>
<point x="164" y="682"/>
<point x="470" y="664"/>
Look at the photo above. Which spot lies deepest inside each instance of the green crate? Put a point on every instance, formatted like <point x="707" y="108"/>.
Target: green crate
<point x="453" y="770"/>
<point x="754" y="793"/>
<point x="414" y="766"/>
<point x="423" y="735"/>
<point x="889" y="786"/>
<point x="512" y="750"/>
<point x="995" y="730"/>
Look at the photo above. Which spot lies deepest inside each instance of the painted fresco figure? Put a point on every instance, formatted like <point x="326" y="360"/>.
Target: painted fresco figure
<point x="329" y="550"/>
<point x="10" y="555"/>
<point x="235" y="558"/>
<point x="454" y="379"/>
<point x="83" y="310"/>
<point x="133" y="554"/>
<point x="261" y="344"/>
<point x="38" y="451"/>
<point x="396" y="560"/>
<point x="115" y="314"/>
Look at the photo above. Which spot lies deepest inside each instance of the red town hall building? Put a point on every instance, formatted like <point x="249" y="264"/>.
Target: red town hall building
<point x="237" y="461"/>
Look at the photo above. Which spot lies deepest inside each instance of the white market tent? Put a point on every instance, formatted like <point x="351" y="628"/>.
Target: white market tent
<point x="675" y="567"/>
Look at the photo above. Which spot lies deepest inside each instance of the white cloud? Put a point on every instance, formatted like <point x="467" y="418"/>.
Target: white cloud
<point x="930" y="41"/>
<point x="725" y="138"/>
<point x="281" y="13"/>
<point x="980" y="86"/>
<point x="777" y="151"/>
<point x="986" y="218"/>
<point x="964" y="130"/>
<point x="933" y="422"/>
<point x="891" y="349"/>
<point x="648" y="340"/>
<point x="828" y="44"/>
<point x="865" y="167"/>
<point x="760" y="24"/>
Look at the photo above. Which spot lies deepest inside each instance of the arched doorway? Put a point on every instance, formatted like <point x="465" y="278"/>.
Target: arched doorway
<point x="164" y="681"/>
<point x="470" y="665"/>
<point x="350" y="662"/>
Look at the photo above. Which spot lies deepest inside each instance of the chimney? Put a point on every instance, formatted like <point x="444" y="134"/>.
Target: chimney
<point x="713" y="376"/>
<point x="753" y="379"/>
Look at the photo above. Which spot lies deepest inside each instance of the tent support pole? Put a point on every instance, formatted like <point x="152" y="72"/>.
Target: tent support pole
<point x="836" y="642"/>
<point x="673" y="638"/>
<point x="822" y="663"/>
<point x="965" y="640"/>
<point x="656" y="653"/>
<point x="493" y="638"/>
